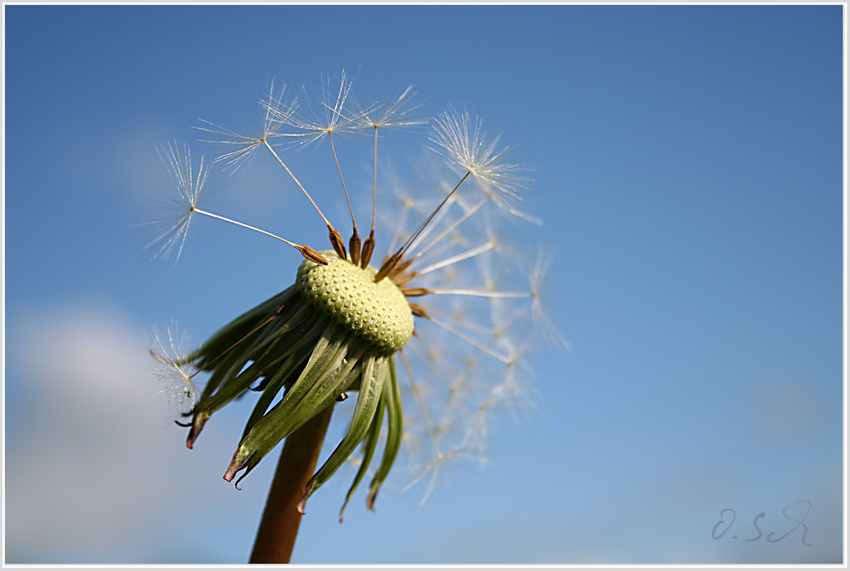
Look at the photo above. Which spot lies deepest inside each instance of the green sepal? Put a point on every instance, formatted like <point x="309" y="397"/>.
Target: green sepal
<point x="286" y="370"/>
<point x="293" y="334"/>
<point x="395" y="431"/>
<point x="334" y="386"/>
<point x="325" y="376"/>
<point x="231" y="382"/>
<point x="203" y="410"/>
<point x="237" y="330"/>
<point x="265" y="343"/>
<point x="371" y="386"/>
<point x="369" y="446"/>
<point x="288" y="373"/>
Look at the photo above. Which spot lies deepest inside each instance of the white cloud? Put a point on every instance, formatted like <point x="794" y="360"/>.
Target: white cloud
<point x="90" y="453"/>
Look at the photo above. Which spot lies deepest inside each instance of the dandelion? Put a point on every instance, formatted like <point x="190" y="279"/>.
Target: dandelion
<point x="432" y="339"/>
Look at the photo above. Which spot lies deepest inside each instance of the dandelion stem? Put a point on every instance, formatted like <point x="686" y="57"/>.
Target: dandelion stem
<point x="369" y="244"/>
<point x="489" y="245"/>
<point x="375" y="180"/>
<point x="306" y="251"/>
<point x="354" y="241"/>
<point x="281" y="518"/>
<point x="421" y="401"/>
<point x="457" y="223"/>
<point x="470" y="340"/>
<point x="415" y="235"/>
<point x="479" y="293"/>
<point x="333" y="234"/>
<point x="242" y="224"/>
<point x="393" y="260"/>
<point x="298" y="182"/>
<point x="344" y="188"/>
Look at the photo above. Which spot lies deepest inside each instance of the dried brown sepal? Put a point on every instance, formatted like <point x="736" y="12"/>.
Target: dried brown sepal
<point x="418" y="310"/>
<point x="416" y="291"/>
<point x="354" y="247"/>
<point x="336" y="242"/>
<point x="312" y="255"/>
<point x="388" y="266"/>
<point x="400" y="268"/>
<point x="401" y="280"/>
<point x="368" y="248"/>
<point x="198" y="422"/>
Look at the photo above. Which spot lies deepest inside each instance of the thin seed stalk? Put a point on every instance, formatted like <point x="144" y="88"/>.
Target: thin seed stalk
<point x="281" y="518"/>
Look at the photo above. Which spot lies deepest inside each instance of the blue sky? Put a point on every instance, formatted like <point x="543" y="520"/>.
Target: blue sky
<point x="688" y="168"/>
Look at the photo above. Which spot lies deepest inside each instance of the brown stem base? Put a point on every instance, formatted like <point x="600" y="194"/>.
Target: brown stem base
<point x="281" y="518"/>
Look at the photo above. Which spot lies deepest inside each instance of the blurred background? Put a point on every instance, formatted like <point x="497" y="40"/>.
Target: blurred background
<point x="688" y="168"/>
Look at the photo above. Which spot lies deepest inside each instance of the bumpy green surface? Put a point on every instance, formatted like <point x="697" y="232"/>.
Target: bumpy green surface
<point x="376" y="312"/>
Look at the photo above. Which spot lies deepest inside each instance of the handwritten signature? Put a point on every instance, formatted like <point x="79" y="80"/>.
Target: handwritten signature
<point x="728" y="515"/>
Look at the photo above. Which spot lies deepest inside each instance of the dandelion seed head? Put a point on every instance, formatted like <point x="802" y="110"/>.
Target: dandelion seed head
<point x="440" y="339"/>
<point x="376" y="311"/>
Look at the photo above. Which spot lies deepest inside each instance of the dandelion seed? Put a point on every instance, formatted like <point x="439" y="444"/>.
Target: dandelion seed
<point x="542" y="317"/>
<point x="397" y="114"/>
<point x="331" y="116"/>
<point x="173" y="367"/>
<point x="279" y="110"/>
<point x="436" y="302"/>
<point x="188" y="190"/>
<point x="462" y="140"/>
<point x="171" y="231"/>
